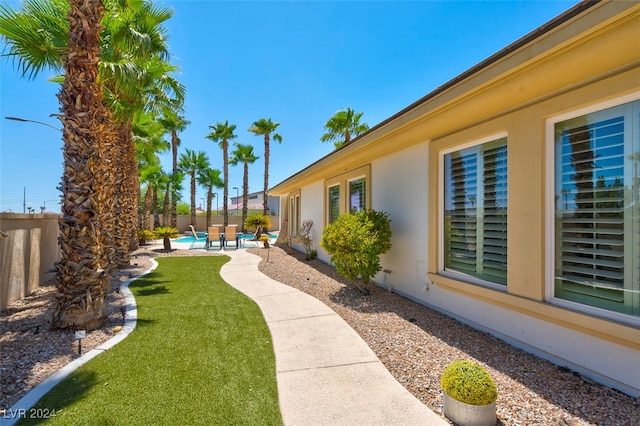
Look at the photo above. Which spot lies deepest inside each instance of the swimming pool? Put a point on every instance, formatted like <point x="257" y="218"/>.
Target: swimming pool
<point x="203" y="236"/>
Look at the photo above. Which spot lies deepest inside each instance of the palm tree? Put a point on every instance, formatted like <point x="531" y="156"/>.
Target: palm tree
<point x="134" y="71"/>
<point x="173" y="123"/>
<point x="343" y="126"/>
<point x="81" y="274"/>
<point x="209" y="179"/>
<point x="152" y="175"/>
<point x="192" y="163"/>
<point x="222" y="133"/>
<point x="244" y="154"/>
<point x="266" y="127"/>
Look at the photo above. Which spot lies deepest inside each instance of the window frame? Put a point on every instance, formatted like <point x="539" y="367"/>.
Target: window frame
<point x="294" y="200"/>
<point x="442" y="270"/>
<point x="550" y="211"/>
<point x="343" y="181"/>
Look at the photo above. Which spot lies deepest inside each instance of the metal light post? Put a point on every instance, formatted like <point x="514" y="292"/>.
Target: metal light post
<point x="237" y="197"/>
<point x="202" y="203"/>
<point x="24" y="120"/>
<point x="217" y="206"/>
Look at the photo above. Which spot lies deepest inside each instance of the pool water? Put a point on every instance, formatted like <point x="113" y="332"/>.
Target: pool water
<point x="202" y="237"/>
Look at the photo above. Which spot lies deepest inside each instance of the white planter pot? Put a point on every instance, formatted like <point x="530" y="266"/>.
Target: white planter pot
<point x="465" y="414"/>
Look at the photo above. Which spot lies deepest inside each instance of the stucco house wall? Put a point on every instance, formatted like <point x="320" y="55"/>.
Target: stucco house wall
<point x="586" y="60"/>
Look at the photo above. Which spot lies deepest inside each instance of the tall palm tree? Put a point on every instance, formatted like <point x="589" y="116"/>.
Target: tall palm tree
<point x="174" y="123"/>
<point x="343" y="126"/>
<point x="81" y="272"/>
<point x="210" y="178"/>
<point x="222" y="133"/>
<point x="192" y="163"/>
<point x="134" y="70"/>
<point x="244" y="154"/>
<point x="266" y="127"/>
<point x="153" y="176"/>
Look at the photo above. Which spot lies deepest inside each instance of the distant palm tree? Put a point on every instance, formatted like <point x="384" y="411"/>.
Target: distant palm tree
<point x="244" y="154"/>
<point x="192" y="163"/>
<point x="173" y="122"/>
<point x="209" y="179"/>
<point x="266" y="127"/>
<point x="222" y="133"/>
<point x="343" y="126"/>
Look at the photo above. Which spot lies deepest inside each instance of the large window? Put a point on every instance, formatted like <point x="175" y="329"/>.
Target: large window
<point x="475" y="216"/>
<point x="597" y="220"/>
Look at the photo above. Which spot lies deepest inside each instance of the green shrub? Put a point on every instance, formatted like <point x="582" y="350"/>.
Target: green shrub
<point x="166" y="232"/>
<point x="355" y="242"/>
<point x="469" y="382"/>
<point x="257" y="222"/>
<point x="144" y="235"/>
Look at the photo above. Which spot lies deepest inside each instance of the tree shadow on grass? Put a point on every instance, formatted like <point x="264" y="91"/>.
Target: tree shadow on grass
<point x="72" y="389"/>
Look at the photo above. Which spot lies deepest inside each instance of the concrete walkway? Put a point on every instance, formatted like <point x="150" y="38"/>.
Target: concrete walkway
<point x="326" y="373"/>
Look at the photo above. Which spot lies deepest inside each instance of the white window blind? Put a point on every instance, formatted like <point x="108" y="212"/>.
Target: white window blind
<point x="476" y="211"/>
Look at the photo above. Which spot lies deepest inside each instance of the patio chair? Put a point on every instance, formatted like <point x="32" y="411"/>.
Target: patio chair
<point x="213" y="236"/>
<point x="230" y="234"/>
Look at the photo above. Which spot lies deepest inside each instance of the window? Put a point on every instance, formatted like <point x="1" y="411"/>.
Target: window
<point x="357" y="195"/>
<point x="475" y="202"/>
<point x="597" y="219"/>
<point x="294" y="214"/>
<point x="334" y="202"/>
<point x="347" y="192"/>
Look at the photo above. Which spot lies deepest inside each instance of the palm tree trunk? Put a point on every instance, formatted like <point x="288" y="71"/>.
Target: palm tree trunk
<point x="193" y="198"/>
<point x="245" y="193"/>
<point x="127" y="195"/>
<point x="266" y="174"/>
<point x="225" y="159"/>
<point x="81" y="273"/>
<point x="174" y="195"/>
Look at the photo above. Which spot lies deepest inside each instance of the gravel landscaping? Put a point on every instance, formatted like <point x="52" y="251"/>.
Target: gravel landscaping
<point x="414" y="342"/>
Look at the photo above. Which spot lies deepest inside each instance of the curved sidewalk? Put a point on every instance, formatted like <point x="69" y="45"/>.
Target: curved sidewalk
<point x="326" y="373"/>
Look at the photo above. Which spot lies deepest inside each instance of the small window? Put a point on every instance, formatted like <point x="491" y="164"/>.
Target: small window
<point x="597" y="213"/>
<point x="294" y="214"/>
<point x="475" y="216"/>
<point x="357" y="195"/>
<point x="334" y="202"/>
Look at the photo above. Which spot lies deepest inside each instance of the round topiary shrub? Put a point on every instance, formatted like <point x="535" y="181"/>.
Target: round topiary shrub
<point x="468" y="382"/>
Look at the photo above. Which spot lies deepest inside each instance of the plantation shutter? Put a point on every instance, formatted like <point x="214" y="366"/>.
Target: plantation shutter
<point x="494" y="244"/>
<point x="597" y="243"/>
<point x="357" y="195"/>
<point x="334" y="203"/>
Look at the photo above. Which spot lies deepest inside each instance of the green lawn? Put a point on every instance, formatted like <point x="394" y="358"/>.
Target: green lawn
<point x="200" y="354"/>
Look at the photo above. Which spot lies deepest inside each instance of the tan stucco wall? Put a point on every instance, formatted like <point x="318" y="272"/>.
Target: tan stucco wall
<point x="590" y="59"/>
<point x="30" y="250"/>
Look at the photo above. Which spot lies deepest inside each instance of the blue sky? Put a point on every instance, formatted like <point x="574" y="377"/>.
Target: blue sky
<point x="296" y="62"/>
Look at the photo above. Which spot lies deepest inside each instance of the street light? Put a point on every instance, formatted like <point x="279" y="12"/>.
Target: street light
<point x="237" y="197"/>
<point x="202" y="204"/>
<point x="24" y="120"/>
<point x="217" y="206"/>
